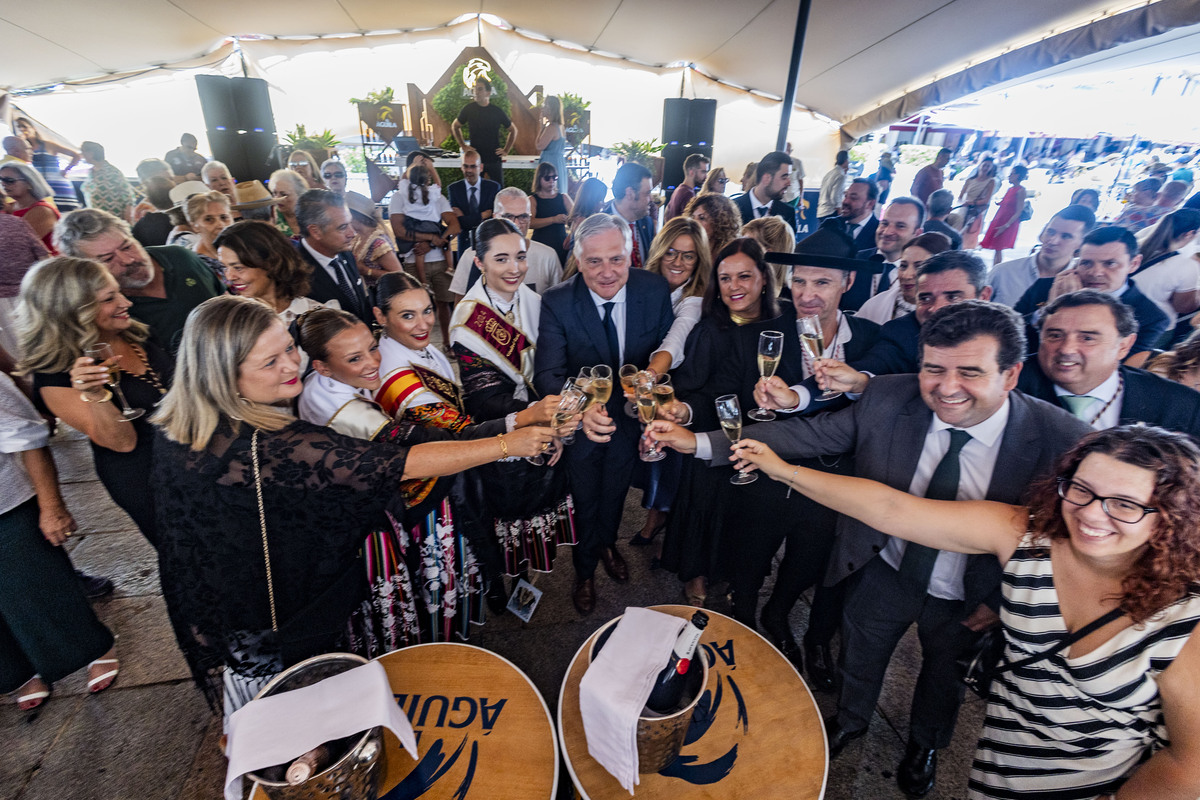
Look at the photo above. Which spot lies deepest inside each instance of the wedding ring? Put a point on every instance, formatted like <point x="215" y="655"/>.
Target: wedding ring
<point x="545" y="446"/>
<point x="79" y="380"/>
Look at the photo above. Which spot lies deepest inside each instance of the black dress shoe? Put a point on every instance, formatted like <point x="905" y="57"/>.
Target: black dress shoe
<point x="839" y="737"/>
<point x="917" y="771"/>
<point x="94" y="586"/>
<point x="497" y="598"/>
<point x="822" y="674"/>
<point x="614" y="565"/>
<point x="584" y="596"/>
<point x="779" y="633"/>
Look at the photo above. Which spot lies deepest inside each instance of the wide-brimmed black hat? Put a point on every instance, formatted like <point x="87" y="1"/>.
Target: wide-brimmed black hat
<point x="828" y="246"/>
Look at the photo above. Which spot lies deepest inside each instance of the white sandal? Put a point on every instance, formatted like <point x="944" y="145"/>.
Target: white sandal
<point x="107" y="676"/>
<point x="39" y="696"/>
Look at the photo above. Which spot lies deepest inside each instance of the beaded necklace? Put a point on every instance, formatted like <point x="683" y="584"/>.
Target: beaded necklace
<point x="149" y="375"/>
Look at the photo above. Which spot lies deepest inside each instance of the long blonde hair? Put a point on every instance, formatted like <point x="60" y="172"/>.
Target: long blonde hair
<point x="697" y="285"/>
<point x="217" y="338"/>
<point x="56" y="313"/>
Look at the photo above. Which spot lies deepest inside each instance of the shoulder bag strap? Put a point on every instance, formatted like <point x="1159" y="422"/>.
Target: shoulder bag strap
<point x="262" y="524"/>
<point x="1066" y="641"/>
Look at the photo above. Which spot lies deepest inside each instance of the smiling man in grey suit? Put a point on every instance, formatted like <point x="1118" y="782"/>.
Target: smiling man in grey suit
<point x="956" y="430"/>
<point x="604" y="314"/>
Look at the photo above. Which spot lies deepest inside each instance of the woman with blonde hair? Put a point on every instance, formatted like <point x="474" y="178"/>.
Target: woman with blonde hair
<point x="287" y="186"/>
<point x="303" y="164"/>
<point x="208" y="214"/>
<point x="716" y="181"/>
<point x="66" y="307"/>
<point x="775" y="236"/>
<point x="264" y="514"/>
<point x="719" y="217"/>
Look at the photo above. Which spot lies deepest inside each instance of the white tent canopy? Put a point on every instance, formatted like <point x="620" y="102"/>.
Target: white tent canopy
<point x="865" y="62"/>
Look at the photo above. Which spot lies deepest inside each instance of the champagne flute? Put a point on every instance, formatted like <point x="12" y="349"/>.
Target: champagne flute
<point x="644" y="396"/>
<point x="601" y="385"/>
<point x="573" y="401"/>
<point x="729" y="411"/>
<point x="813" y="338"/>
<point x="770" y="348"/>
<point x="101" y="352"/>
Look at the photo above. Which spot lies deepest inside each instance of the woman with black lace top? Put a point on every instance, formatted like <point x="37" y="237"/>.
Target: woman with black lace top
<point x="262" y="515"/>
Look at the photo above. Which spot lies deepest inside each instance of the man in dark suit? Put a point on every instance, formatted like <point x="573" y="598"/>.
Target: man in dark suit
<point x="902" y="220"/>
<point x="604" y="314"/>
<point x="940" y="204"/>
<point x="327" y="234"/>
<point x="857" y="213"/>
<point x="631" y="205"/>
<point x="471" y="199"/>
<point x="1084" y="337"/>
<point x="772" y="177"/>
<point x="1107" y="257"/>
<point x="956" y="430"/>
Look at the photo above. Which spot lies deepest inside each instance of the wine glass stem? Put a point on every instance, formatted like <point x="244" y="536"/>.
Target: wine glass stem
<point x="116" y="385"/>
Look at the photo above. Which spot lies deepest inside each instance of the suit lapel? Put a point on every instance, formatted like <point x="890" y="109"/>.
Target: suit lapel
<point x="589" y="318"/>
<point x="904" y="448"/>
<point x="1018" y="455"/>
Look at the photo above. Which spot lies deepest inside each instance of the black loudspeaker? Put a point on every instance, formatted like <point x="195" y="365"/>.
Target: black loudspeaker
<point x="675" y="120"/>
<point x="253" y="105"/>
<point x="249" y="156"/>
<point x="216" y="103"/>
<point x="701" y="122"/>
<point x="673" y="156"/>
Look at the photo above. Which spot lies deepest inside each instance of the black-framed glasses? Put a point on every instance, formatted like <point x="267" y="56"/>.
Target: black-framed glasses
<point x="331" y="175"/>
<point x="1119" y="508"/>
<point x="687" y="256"/>
<point x="520" y="219"/>
<point x="7" y="181"/>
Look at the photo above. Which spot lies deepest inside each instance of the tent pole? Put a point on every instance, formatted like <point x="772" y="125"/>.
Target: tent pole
<point x="789" y="95"/>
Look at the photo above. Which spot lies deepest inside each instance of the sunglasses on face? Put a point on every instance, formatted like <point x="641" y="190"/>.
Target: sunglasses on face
<point x="300" y="165"/>
<point x="331" y="175"/>
<point x="549" y="177"/>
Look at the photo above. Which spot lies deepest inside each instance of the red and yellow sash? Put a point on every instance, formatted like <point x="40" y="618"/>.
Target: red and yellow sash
<point x="506" y="340"/>
<point x="397" y="389"/>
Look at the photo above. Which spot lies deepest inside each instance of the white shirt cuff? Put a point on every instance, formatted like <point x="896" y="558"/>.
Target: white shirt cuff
<point x="703" y="449"/>
<point x="805" y="399"/>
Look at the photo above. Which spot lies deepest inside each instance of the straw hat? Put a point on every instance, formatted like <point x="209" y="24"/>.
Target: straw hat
<point x="180" y="194"/>
<point x="252" y="194"/>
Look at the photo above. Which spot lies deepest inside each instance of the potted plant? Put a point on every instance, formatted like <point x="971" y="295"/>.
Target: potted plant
<point x="576" y="118"/>
<point x="454" y="96"/>
<point x="319" y="145"/>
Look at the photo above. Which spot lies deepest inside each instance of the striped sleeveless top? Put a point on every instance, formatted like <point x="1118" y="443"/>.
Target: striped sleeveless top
<point x="1071" y="728"/>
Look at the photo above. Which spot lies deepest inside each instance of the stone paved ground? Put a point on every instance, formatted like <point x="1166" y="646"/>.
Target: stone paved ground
<point x="151" y="736"/>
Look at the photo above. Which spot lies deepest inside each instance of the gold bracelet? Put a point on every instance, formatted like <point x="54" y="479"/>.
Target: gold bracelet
<point x="107" y="396"/>
<point x="503" y="446"/>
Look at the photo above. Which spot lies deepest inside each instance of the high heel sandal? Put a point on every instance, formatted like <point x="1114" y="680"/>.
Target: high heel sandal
<point x="97" y="684"/>
<point x="30" y="701"/>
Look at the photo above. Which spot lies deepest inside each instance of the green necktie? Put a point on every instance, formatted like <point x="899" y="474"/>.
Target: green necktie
<point x="1078" y="404"/>
<point x="917" y="564"/>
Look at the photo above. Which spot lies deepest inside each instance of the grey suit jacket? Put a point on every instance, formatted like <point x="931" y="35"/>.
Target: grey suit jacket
<point x="886" y="431"/>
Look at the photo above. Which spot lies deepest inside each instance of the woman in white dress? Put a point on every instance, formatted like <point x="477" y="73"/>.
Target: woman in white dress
<point x="1168" y="274"/>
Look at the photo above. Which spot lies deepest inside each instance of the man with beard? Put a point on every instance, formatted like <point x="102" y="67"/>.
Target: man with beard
<point x="857" y="212"/>
<point x="163" y="283"/>
<point x="772" y="177"/>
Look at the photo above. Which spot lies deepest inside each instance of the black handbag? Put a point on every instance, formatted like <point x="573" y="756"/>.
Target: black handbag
<point x="981" y="663"/>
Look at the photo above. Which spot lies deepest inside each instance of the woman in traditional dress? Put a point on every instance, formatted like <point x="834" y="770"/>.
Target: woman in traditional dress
<point x="494" y="335"/>
<point x="418" y="387"/>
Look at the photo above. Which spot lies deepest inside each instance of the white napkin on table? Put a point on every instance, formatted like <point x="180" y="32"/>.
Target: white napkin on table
<point x="276" y="729"/>
<point x="617" y="684"/>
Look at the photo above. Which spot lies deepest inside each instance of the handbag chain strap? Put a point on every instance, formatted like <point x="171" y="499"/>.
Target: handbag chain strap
<point x="262" y="523"/>
<point x="1066" y="641"/>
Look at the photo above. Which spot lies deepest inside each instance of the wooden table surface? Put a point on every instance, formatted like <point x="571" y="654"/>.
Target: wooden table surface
<point x="483" y="730"/>
<point x="762" y="736"/>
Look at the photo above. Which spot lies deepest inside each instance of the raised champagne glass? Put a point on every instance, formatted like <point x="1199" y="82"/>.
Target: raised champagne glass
<point x="644" y="397"/>
<point x="812" y="337"/>
<point x="770" y="348"/>
<point x="729" y="412"/>
<point x="101" y="352"/>
<point x="601" y="384"/>
<point x="574" y="400"/>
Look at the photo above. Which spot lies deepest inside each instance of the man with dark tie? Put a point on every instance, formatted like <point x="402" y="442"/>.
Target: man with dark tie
<point x="325" y="227"/>
<point x="857" y="212"/>
<point x="902" y="220"/>
<point x="772" y="177"/>
<point x="954" y="431"/>
<point x="1084" y="337"/>
<point x="471" y="199"/>
<point x="608" y="314"/>
<point x="631" y="205"/>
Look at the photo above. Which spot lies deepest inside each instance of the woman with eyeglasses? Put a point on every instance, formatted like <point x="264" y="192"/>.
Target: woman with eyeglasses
<point x="551" y="210"/>
<point x="287" y="186"/>
<point x="29" y="192"/>
<point x="303" y="164"/>
<point x="1118" y="713"/>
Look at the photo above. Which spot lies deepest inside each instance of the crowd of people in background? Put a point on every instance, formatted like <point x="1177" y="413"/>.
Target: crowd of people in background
<point x="345" y="428"/>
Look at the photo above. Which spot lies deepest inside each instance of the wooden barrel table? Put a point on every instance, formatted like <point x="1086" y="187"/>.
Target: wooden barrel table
<point x="757" y="731"/>
<point x="483" y="730"/>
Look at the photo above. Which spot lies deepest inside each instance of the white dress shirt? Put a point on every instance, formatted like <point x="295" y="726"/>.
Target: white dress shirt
<point x="618" y="315"/>
<point x="1103" y="394"/>
<point x="325" y="262"/>
<point x="977" y="462"/>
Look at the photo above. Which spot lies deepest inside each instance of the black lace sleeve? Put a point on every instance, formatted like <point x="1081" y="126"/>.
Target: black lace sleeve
<point x="321" y="490"/>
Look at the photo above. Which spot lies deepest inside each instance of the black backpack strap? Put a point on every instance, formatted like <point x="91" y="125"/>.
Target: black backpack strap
<point x="1066" y="641"/>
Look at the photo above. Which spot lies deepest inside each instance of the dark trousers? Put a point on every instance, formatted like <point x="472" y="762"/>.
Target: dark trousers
<point x="600" y="476"/>
<point x="825" y="617"/>
<point x="47" y="626"/>
<point x="878" y="612"/>
<point x="493" y="168"/>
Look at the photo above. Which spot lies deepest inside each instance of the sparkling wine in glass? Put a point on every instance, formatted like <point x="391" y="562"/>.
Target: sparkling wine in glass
<point x="770" y="349"/>
<point x="601" y="384"/>
<point x="813" y="339"/>
<point x="644" y="397"/>
<point x="101" y="352"/>
<point x="729" y="412"/>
